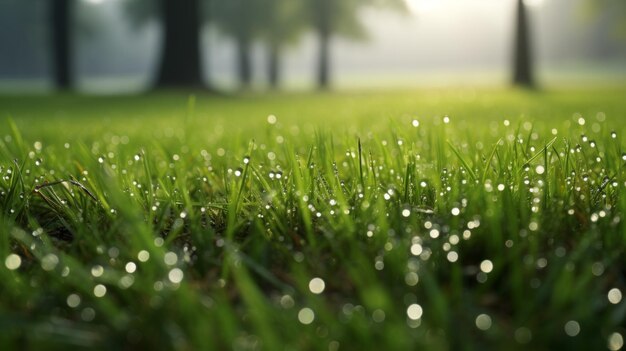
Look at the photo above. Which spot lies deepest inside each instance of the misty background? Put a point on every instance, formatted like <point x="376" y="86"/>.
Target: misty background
<point x="434" y="42"/>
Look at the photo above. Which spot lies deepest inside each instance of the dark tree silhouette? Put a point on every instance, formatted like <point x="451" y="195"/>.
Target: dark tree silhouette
<point x="242" y="20"/>
<point x="522" y="56"/>
<point x="282" y="25"/>
<point x="339" y="17"/>
<point x="180" y="61"/>
<point x="61" y="36"/>
<point x="179" y="64"/>
<point x="323" y="26"/>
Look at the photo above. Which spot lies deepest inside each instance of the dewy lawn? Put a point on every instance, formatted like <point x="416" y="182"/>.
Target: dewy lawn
<point x="435" y="219"/>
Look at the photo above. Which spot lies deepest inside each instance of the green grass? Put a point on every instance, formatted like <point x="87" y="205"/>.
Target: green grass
<point x="176" y="222"/>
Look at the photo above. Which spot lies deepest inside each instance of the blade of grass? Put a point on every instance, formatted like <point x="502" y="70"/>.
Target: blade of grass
<point x="463" y="162"/>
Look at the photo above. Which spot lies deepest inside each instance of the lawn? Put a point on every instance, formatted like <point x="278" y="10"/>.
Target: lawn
<point x="442" y="219"/>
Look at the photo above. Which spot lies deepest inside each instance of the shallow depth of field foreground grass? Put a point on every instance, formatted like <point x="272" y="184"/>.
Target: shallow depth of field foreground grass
<point x="401" y="220"/>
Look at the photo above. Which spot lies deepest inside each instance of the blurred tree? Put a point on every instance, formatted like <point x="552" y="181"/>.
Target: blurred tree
<point x="338" y="17"/>
<point x="61" y="15"/>
<point x="242" y="20"/>
<point x="180" y="64"/>
<point x="611" y="11"/>
<point x="522" y="56"/>
<point x="282" y="25"/>
<point x="28" y="56"/>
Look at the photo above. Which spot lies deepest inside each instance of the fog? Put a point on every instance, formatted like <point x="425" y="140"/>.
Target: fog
<point x="444" y="42"/>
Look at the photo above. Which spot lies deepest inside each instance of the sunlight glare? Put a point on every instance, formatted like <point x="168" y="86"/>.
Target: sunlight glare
<point x="421" y="6"/>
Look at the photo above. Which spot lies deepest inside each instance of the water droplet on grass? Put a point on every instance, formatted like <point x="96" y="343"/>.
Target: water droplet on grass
<point x="615" y="341"/>
<point x="88" y="314"/>
<point x="614" y="296"/>
<point x="378" y="316"/>
<point x="175" y="275"/>
<point x="97" y="270"/>
<point x="486" y="266"/>
<point x="414" y="311"/>
<point x="306" y="316"/>
<point x="170" y="258"/>
<point x="434" y="233"/>
<point x="411" y="279"/>
<point x="572" y="328"/>
<point x="317" y="285"/>
<point x="126" y="281"/>
<point x="13" y="262"/>
<point x="143" y="256"/>
<point x="131" y="267"/>
<point x="99" y="290"/>
<point x="286" y="301"/>
<point x="483" y="322"/>
<point x="416" y="249"/>
<point x="49" y="262"/>
<point x="73" y="300"/>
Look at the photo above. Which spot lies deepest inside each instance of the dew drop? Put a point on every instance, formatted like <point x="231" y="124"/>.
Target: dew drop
<point x="49" y="262"/>
<point x="13" y="262"/>
<point x="73" y="300"/>
<point x="131" y="267"/>
<point x="486" y="266"/>
<point x="317" y="285"/>
<point x="306" y="316"/>
<point x="615" y="296"/>
<point x="175" y="275"/>
<point x="615" y="341"/>
<point x="572" y="328"/>
<point x="483" y="322"/>
<point x="414" y="311"/>
<point x="99" y="290"/>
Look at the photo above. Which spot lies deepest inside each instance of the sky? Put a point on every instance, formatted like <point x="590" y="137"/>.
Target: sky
<point x="442" y="42"/>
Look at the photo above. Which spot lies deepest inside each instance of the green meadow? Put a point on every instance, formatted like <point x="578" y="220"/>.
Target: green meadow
<point x="436" y="219"/>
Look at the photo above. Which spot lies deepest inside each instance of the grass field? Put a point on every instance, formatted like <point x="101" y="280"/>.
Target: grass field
<point x="393" y="220"/>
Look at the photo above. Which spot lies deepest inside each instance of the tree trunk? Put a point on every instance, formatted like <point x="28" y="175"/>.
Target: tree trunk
<point x="522" y="64"/>
<point x="323" y="68"/>
<point x="274" y="66"/>
<point x="180" y="61"/>
<point x="61" y="20"/>
<point x="244" y="69"/>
